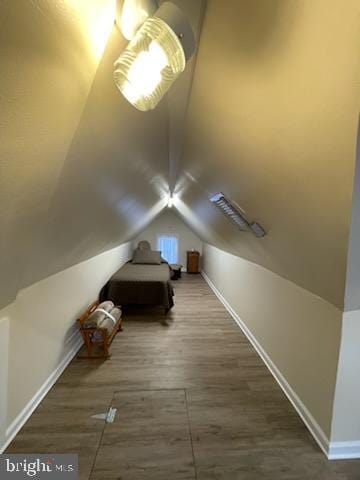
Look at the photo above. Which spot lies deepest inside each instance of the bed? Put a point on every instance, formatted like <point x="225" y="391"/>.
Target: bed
<point x="138" y="284"/>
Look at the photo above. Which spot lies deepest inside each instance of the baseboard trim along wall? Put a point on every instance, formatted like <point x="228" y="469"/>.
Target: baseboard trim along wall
<point x="344" y="450"/>
<point x="74" y="344"/>
<point x="314" y="428"/>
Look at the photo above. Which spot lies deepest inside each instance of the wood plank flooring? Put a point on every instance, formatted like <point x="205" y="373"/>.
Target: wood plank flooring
<point x="150" y="438"/>
<point x="194" y="401"/>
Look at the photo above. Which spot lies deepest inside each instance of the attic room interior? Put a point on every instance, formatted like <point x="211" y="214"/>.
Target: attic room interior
<point x="180" y="239"/>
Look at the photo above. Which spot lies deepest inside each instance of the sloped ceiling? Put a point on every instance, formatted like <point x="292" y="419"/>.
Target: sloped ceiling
<point x="81" y="170"/>
<point x="112" y="180"/>
<point x="47" y="64"/>
<point x="272" y="123"/>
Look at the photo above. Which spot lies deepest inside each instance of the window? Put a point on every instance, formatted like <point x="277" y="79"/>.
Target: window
<point x="168" y="246"/>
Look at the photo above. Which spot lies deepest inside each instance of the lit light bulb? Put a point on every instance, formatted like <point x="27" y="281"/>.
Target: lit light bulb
<point x="155" y="57"/>
<point x="170" y="201"/>
<point x="144" y="74"/>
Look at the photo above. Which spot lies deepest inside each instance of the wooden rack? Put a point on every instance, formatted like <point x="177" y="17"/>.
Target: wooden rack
<point x="88" y="334"/>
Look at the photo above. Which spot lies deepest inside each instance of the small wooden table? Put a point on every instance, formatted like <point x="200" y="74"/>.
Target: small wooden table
<point x="176" y="271"/>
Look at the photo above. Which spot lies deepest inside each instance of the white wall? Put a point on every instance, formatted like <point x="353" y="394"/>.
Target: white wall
<point x="298" y="331"/>
<point x="43" y="329"/>
<point x="170" y="223"/>
<point x="345" y="434"/>
<point x="346" y="422"/>
<point x="352" y="289"/>
<point x="4" y="349"/>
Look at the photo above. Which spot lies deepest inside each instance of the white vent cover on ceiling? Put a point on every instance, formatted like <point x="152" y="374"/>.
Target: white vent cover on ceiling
<point x="234" y="214"/>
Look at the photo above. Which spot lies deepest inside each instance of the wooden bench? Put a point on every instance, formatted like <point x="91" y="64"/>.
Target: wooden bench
<point x="97" y="336"/>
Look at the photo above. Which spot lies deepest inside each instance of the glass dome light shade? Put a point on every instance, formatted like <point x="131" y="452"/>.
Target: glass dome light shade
<point x="155" y="57"/>
<point x="150" y="64"/>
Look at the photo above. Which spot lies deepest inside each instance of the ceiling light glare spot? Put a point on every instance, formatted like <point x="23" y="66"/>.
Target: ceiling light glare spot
<point x="169" y="201"/>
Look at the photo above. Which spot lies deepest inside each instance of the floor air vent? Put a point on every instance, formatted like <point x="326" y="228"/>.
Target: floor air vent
<point x="108" y="416"/>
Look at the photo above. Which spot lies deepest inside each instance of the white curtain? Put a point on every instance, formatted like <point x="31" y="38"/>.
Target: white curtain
<point x="168" y="246"/>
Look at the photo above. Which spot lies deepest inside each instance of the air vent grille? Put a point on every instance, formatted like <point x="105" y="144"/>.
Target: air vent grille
<point x="233" y="213"/>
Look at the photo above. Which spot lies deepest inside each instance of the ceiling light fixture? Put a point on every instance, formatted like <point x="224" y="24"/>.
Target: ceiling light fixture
<point x="170" y="201"/>
<point x="131" y="14"/>
<point x="233" y="213"/>
<point x="161" y="42"/>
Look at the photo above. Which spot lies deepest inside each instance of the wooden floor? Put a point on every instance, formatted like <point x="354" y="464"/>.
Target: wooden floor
<point x="194" y="401"/>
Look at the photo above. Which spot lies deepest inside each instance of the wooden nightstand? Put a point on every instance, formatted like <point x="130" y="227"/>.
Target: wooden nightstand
<point x="193" y="261"/>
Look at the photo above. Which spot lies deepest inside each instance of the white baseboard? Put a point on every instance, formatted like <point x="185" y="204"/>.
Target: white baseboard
<point x="301" y="409"/>
<point x="74" y="344"/>
<point x="344" y="450"/>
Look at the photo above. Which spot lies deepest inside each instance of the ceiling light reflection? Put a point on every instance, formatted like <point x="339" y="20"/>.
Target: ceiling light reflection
<point x="97" y="19"/>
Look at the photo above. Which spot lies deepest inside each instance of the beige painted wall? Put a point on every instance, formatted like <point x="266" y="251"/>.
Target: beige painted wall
<point x="81" y="170"/>
<point x="42" y="322"/>
<point x="170" y="223"/>
<point x="299" y="331"/>
<point x="48" y="58"/>
<point x="272" y="123"/>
